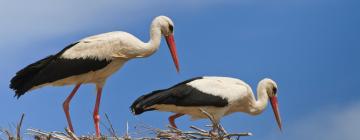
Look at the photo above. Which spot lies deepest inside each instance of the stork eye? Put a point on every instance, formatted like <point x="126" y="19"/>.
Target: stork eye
<point x="274" y="90"/>
<point x="171" y="28"/>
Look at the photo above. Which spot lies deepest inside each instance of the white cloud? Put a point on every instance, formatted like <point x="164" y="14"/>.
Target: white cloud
<point x="29" y="19"/>
<point x="334" y="123"/>
<point x="26" y="24"/>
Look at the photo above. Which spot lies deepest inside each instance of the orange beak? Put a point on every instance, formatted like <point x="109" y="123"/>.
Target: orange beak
<point x="275" y="107"/>
<point x="172" y="47"/>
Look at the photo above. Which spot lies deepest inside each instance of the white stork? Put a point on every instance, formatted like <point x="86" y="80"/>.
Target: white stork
<point x="92" y="60"/>
<point x="218" y="96"/>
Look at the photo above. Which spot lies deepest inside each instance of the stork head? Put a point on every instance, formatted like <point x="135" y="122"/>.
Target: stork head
<point x="166" y="25"/>
<point x="167" y="30"/>
<point x="271" y="90"/>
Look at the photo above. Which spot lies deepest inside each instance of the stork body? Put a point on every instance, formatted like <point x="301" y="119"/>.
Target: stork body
<point x="218" y="96"/>
<point x="92" y="60"/>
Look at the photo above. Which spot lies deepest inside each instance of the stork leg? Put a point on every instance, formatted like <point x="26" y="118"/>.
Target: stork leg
<point x="96" y="111"/>
<point x="66" y="106"/>
<point x="172" y="119"/>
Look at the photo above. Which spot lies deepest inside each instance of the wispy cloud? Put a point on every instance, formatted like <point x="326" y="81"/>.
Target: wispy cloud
<point x="333" y="123"/>
<point x="23" y="26"/>
<point x="31" y="19"/>
<point x="44" y="18"/>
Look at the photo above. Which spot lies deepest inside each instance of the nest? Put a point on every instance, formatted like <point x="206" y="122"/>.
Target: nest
<point x="216" y="133"/>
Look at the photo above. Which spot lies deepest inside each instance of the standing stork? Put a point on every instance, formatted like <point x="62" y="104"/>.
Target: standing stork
<point x="218" y="96"/>
<point x="92" y="60"/>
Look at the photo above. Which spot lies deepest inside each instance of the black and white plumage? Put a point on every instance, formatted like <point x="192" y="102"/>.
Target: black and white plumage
<point x="219" y="96"/>
<point x="93" y="60"/>
<point x="52" y="69"/>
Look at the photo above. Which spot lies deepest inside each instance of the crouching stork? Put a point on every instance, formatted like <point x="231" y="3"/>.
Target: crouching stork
<point x="218" y="96"/>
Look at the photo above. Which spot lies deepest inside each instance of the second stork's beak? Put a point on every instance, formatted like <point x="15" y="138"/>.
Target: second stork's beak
<point x="171" y="44"/>
<point x="275" y="107"/>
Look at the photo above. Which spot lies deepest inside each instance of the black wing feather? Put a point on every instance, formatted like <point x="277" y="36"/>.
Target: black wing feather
<point x="50" y="69"/>
<point x="179" y="95"/>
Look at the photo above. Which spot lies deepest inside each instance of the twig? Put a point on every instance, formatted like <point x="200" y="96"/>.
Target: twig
<point x="18" y="127"/>
<point x="38" y="134"/>
<point x="111" y="130"/>
<point x="216" y="132"/>
<point x="71" y="134"/>
<point x="239" y="134"/>
<point x="176" y="130"/>
<point x="127" y="136"/>
<point x="8" y="134"/>
<point x="198" y="129"/>
<point x="212" y="119"/>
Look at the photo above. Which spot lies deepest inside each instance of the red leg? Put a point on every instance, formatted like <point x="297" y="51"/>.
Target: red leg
<point x="96" y="111"/>
<point x="172" y="119"/>
<point x="66" y="106"/>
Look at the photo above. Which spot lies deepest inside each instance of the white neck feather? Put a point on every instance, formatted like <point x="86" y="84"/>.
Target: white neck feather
<point x="262" y="98"/>
<point x="155" y="38"/>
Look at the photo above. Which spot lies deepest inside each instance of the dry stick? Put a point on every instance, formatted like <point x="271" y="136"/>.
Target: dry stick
<point x="197" y="133"/>
<point x="71" y="134"/>
<point x="146" y="129"/>
<point x="188" y="135"/>
<point x="174" y="129"/>
<point x="39" y="134"/>
<point x="111" y="130"/>
<point x="127" y="136"/>
<point x="239" y="134"/>
<point x="9" y="131"/>
<point x="49" y="137"/>
<point x="8" y="134"/>
<point x="218" y="126"/>
<point x="215" y="125"/>
<point x="170" y="134"/>
<point x="18" y="127"/>
<point x="103" y="125"/>
<point x="198" y="129"/>
<point x="208" y="115"/>
<point x="212" y="119"/>
<point x="201" y="132"/>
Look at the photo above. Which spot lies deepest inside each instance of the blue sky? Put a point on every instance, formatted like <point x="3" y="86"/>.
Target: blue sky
<point x="309" y="47"/>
